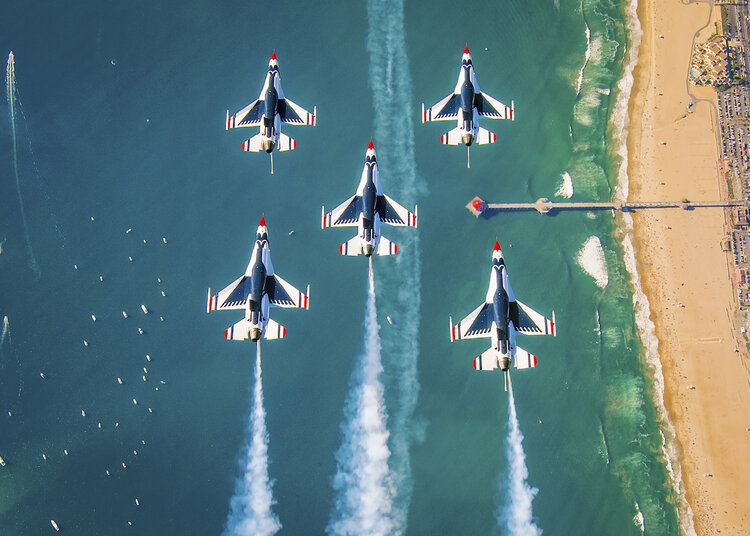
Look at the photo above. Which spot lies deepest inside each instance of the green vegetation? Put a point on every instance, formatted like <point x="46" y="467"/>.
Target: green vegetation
<point x="724" y="20"/>
<point x="730" y="187"/>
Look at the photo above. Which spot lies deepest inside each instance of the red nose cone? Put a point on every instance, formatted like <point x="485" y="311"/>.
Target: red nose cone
<point x="273" y="55"/>
<point x="262" y="221"/>
<point x="371" y="146"/>
<point x="497" y="245"/>
<point x="466" y="50"/>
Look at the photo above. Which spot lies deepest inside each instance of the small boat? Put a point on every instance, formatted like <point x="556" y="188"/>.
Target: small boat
<point x="117" y="425"/>
<point x="123" y="465"/>
<point x="140" y="331"/>
<point x="163" y="293"/>
<point x="145" y="370"/>
<point x="161" y="318"/>
<point x="144" y="378"/>
<point x="101" y="278"/>
<point x="100" y="426"/>
<point x="93" y="317"/>
<point x="107" y="471"/>
<point x="124" y="314"/>
<point x="42" y="375"/>
<point x="149" y="410"/>
<point x="85" y="342"/>
<point x="52" y="521"/>
<point x="291" y="233"/>
<point x="2" y="462"/>
<point x="158" y="279"/>
<point x="163" y="239"/>
<point x="83" y="413"/>
<point x="143" y="441"/>
<point x="135" y="452"/>
<point x="135" y="402"/>
<point x="130" y="258"/>
<point x="65" y="451"/>
<point x="144" y="309"/>
<point x="148" y="357"/>
<point x="136" y="502"/>
<point x="119" y="380"/>
<point x="44" y="456"/>
<point x="75" y="266"/>
<point x="389" y="319"/>
<point x="129" y="230"/>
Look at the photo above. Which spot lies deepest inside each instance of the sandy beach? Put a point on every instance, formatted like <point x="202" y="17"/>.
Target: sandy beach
<point x="674" y="154"/>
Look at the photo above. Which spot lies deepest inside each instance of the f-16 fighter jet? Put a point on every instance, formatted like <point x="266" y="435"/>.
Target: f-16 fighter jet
<point x="268" y="112"/>
<point x="500" y="318"/>
<point x="367" y="210"/>
<point x="466" y="105"/>
<point x="255" y="291"/>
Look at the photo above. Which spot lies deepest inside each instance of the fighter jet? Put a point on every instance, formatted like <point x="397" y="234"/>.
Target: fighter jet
<point x="466" y="105"/>
<point x="268" y="112"/>
<point x="501" y="317"/>
<point x="367" y="209"/>
<point x="255" y="291"/>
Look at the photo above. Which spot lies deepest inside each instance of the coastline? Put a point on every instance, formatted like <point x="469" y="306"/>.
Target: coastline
<point x="673" y="154"/>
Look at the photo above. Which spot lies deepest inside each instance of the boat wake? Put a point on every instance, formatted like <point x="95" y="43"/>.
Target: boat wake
<point x="516" y="515"/>
<point x="390" y="83"/>
<point x="6" y="331"/>
<point x="363" y="485"/>
<point x="11" y="94"/>
<point x="250" y="512"/>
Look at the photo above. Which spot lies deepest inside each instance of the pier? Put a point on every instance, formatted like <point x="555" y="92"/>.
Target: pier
<point x="478" y="206"/>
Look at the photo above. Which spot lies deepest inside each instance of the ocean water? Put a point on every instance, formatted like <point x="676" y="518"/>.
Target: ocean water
<point x="120" y="117"/>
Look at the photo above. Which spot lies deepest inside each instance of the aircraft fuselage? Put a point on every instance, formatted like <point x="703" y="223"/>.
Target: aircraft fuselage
<point x="466" y="116"/>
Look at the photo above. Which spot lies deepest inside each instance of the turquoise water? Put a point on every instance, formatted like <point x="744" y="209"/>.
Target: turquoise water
<point x="121" y="118"/>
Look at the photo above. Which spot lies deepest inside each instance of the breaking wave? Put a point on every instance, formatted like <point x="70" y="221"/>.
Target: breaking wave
<point x="591" y="259"/>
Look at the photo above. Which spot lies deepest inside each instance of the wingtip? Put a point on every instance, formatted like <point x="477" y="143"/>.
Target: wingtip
<point x="497" y="245"/>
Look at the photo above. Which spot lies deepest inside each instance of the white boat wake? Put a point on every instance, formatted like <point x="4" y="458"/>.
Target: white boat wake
<point x="251" y="511"/>
<point x="363" y="486"/>
<point x="517" y="514"/>
<point x="10" y="92"/>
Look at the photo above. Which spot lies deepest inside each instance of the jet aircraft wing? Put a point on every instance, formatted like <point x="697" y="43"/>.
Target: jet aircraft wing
<point x="394" y="214"/>
<point x="234" y="296"/>
<point x="344" y="215"/>
<point x="249" y="116"/>
<point x="527" y="321"/>
<point x="294" y="114"/>
<point x="490" y="107"/>
<point x="476" y="325"/>
<point x="444" y="110"/>
<point x="283" y="294"/>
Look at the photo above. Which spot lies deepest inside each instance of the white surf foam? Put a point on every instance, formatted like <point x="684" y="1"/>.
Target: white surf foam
<point x="620" y="125"/>
<point x="363" y="487"/>
<point x="517" y="515"/>
<point x="11" y="94"/>
<point x="591" y="258"/>
<point x="251" y="511"/>
<point x="566" y="187"/>
<point x="587" y="55"/>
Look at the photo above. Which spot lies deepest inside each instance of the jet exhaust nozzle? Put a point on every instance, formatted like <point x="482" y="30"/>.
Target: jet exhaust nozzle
<point x="504" y="363"/>
<point x="268" y="145"/>
<point x="254" y="334"/>
<point x="468" y="139"/>
<point x="368" y="250"/>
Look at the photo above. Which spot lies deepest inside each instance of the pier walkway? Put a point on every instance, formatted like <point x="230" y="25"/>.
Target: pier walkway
<point x="478" y="206"/>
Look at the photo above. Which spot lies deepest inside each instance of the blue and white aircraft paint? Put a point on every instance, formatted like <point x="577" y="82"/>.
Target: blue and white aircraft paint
<point x="268" y="112"/>
<point x="256" y="291"/>
<point x="367" y="210"/>
<point x="501" y="317"/>
<point x="466" y="105"/>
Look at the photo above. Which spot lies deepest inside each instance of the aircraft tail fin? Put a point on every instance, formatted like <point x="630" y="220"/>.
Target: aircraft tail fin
<point x="351" y="247"/>
<point x="238" y="332"/>
<point x="254" y="144"/>
<point x="274" y="331"/>
<point x="484" y="136"/>
<point x="452" y="137"/>
<point x="286" y="143"/>
<point x="386" y="247"/>
<point x="489" y="360"/>
<point x="524" y="359"/>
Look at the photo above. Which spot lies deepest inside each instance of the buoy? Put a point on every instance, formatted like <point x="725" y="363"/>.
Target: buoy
<point x="148" y="357"/>
<point x="93" y="317"/>
<point x="164" y="239"/>
<point x="124" y="314"/>
<point x="144" y="309"/>
<point x="135" y="402"/>
<point x="85" y="342"/>
<point x="83" y="413"/>
<point x="119" y="380"/>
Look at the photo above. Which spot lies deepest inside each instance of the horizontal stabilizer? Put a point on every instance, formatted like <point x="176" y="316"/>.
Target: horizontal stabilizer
<point x="238" y="332"/>
<point x="274" y="331"/>
<point x="484" y="136"/>
<point x="286" y="143"/>
<point x="487" y="361"/>
<point x="452" y="137"/>
<point x="351" y="247"/>
<point x="524" y="359"/>
<point x="254" y="144"/>
<point x="386" y="247"/>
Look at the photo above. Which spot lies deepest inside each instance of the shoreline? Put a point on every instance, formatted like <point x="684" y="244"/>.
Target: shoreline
<point x="683" y="272"/>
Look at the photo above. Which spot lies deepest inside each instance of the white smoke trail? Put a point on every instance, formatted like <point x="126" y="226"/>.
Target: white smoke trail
<point x="517" y="515"/>
<point x="10" y="92"/>
<point x="363" y="486"/>
<point x="390" y="83"/>
<point x="250" y="509"/>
